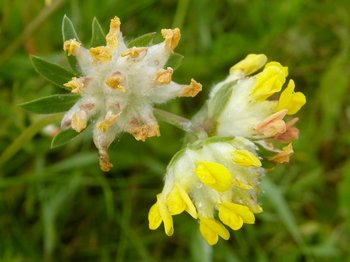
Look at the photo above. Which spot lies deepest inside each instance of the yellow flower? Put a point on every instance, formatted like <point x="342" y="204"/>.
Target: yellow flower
<point x="212" y="229"/>
<point x="214" y="175"/>
<point x="205" y="182"/>
<point x="178" y="201"/>
<point x="159" y="213"/>
<point x="250" y="64"/>
<point x="269" y="81"/>
<point x="290" y="100"/>
<point x="234" y="215"/>
<point x="241" y="105"/>
<point x="245" y="158"/>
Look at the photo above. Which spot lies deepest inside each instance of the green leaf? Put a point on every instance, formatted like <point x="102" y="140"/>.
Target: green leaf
<point x="143" y="40"/>
<point x="52" y="72"/>
<point x="174" y="60"/>
<point x="64" y="137"/>
<point x="98" y="36"/>
<point x="68" y="32"/>
<point x="220" y="99"/>
<point x="51" y="104"/>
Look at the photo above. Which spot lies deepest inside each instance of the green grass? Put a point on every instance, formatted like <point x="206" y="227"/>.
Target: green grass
<point x="55" y="204"/>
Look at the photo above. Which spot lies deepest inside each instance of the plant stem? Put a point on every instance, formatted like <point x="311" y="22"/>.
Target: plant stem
<point x="26" y="135"/>
<point x="194" y="131"/>
<point x="175" y="120"/>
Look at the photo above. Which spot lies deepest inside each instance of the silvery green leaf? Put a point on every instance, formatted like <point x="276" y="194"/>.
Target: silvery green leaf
<point x="174" y="61"/>
<point x="143" y="40"/>
<point x="52" y="72"/>
<point x="51" y="104"/>
<point x="98" y="37"/>
<point x="64" y="137"/>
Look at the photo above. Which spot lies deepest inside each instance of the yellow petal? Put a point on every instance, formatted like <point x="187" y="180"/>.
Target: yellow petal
<point x="134" y="52"/>
<point x="250" y="64"/>
<point x="70" y="46"/>
<point x="214" y="175"/>
<point x="109" y="120"/>
<point x="112" y="36"/>
<point x="256" y="209"/>
<point x="166" y="217"/>
<point x="269" y="81"/>
<point x="208" y="234"/>
<point x="245" y="158"/>
<point x="283" y="156"/>
<point x="241" y="184"/>
<point x="243" y="211"/>
<point x="229" y="217"/>
<point x="154" y="218"/>
<point x="79" y="121"/>
<point x="215" y="227"/>
<point x="175" y="203"/>
<point x="101" y="54"/>
<point x="191" y="90"/>
<point x="290" y="100"/>
<point x="76" y="84"/>
<point x="172" y="38"/>
<point x="115" y="81"/>
<point x="190" y="208"/>
<point x="163" y="76"/>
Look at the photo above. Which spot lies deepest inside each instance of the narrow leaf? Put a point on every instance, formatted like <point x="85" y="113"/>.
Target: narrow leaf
<point x="52" y="72"/>
<point x="64" y="137"/>
<point x="68" y="32"/>
<point x="174" y="60"/>
<point x="51" y="104"/>
<point x="98" y="36"/>
<point x="143" y="40"/>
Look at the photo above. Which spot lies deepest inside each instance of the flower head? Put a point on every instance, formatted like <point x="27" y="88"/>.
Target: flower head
<point x="119" y="87"/>
<point x="246" y="105"/>
<point x="216" y="181"/>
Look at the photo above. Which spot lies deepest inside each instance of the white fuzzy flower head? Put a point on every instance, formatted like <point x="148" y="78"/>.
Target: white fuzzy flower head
<point x="119" y="87"/>
<point x="213" y="180"/>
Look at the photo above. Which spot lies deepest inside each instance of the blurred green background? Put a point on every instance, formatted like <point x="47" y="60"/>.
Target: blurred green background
<point x="56" y="205"/>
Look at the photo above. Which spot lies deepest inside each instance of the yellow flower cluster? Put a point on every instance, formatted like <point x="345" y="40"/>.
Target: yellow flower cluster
<point x="250" y="112"/>
<point x="216" y="183"/>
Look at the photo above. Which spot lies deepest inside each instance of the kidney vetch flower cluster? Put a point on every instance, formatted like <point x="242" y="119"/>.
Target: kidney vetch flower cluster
<point x="216" y="179"/>
<point x="245" y="126"/>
